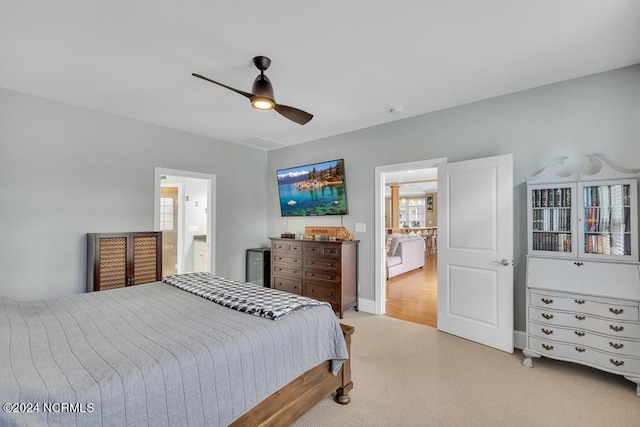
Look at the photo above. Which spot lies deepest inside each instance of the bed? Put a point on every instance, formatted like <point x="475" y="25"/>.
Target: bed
<point x="156" y="354"/>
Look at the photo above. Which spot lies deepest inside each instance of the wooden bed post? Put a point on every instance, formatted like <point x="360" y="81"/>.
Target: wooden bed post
<point x="342" y="393"/>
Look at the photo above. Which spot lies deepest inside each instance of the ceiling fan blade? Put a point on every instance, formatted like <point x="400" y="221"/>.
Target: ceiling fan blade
<point x="293" y="114"/>
<point x="243" y="93"/>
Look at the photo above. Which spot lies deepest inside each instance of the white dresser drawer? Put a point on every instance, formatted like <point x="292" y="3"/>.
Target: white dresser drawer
<point x="613" y="280"/>
<point x="585" y="338"/>
<point x="585" y="322"/>
<point x="617" y="310"/>
<point x="610" y="362"/>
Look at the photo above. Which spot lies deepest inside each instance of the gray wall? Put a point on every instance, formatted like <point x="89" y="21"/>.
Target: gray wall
<point x="599" y="113"/>
<point x="66" y="171"/>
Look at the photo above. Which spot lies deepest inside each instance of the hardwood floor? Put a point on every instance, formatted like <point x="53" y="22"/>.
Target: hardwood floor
<point x="413" y="296"/>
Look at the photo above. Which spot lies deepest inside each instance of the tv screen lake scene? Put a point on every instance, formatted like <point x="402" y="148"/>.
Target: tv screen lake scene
<point x="316" y="189"/>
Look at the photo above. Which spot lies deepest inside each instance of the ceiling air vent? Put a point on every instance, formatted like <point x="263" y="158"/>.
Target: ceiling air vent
<point x="262" y="143"/>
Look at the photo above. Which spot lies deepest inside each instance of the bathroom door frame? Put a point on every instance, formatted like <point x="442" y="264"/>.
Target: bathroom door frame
<point x="211" y="207"/>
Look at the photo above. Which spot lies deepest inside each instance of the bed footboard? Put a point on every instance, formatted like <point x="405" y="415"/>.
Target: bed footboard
<point x="293" y="400"/>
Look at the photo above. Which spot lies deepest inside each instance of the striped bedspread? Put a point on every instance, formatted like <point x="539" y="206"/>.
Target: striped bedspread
<point x="151" y="355"/>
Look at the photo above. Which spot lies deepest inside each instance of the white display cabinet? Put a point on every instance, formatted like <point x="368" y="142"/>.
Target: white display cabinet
<point x="583" y="276"/>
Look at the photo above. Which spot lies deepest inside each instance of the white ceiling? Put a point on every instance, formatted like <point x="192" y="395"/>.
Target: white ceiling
<point x="346" y="62"/>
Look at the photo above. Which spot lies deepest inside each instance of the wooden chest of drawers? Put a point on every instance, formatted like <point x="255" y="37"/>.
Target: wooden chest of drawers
<point x="325" y="271"/>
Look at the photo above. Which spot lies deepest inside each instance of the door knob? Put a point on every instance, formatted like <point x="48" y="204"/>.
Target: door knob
<point x="504" y="262"/>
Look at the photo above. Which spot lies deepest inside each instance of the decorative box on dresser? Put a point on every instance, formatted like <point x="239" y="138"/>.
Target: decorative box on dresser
<point x="583" y="275"/>
<point x="323" y="270"/>
<point x="116" y="260"/>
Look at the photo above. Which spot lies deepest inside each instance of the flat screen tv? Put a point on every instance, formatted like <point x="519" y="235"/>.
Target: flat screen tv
<point x="313" y="190"/>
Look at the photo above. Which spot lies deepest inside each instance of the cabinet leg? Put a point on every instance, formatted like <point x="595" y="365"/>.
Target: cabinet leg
<point x="528" y="355"/>
<point x="637" y="381"/>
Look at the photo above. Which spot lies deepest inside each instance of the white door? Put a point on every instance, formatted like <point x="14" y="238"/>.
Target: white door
<point x="475" y="250"/>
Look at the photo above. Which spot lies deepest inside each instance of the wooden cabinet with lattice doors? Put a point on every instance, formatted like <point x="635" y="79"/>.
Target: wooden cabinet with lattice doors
<point x="116" y="260"/>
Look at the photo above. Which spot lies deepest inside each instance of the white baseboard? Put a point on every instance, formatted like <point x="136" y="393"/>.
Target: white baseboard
<point x="369" y="306"/>
<point x="519" y="339"/>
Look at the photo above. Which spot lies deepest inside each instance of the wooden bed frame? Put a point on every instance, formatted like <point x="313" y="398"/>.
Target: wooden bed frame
<point x="294" y="399"/>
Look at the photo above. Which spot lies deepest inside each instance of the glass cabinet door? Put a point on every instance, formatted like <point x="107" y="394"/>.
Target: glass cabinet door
<point x="609" y="220"/>
<point x="551" y="219"/>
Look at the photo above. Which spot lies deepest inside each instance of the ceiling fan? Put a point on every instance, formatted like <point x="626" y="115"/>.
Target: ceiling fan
<point x="261" y="95"/>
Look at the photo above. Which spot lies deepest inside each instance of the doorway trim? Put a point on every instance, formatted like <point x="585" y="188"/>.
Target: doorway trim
<point x="380" y="234"/>
<point x="211" y="206"/>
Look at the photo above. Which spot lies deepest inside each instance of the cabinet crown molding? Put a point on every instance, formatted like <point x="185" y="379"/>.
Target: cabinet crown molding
<point x="607" y="170"/>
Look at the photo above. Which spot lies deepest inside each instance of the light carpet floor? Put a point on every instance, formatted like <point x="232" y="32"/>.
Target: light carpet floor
<point x="406" y="374"/>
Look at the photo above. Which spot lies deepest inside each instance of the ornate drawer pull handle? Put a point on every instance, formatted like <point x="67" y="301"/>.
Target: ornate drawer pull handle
<point x="616" y="345"/>
<point x="547" y="331"/>
<point x="546" y="300"/>
<point x="578" y="264"/>
<point x="547" y="347"/>
<point x="579" y="301"/>
<point x="616" y="328"/>
<point x="616" y="311"/>
<point x="578" y="333"/>
<point x="547" y="316"/>
<point x="617" y="362"/>
<point x="580" y="349"/>
<point x="580" y="317"/>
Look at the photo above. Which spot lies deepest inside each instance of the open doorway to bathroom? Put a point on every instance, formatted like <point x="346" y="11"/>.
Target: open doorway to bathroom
<point x="185" y="213"/>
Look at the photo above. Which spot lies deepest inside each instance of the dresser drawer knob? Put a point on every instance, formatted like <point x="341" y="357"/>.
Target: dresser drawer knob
<point x="580" y="349"/>
<point x="547" y="316"/>
<point x="616" y="328"/>
<point x="579" y="301"/>
<point x="578" y="333"/>
<point x="547" y="347"/>
<point x="616" y="311"/>
<point x="580" y="317"/>
<point x="547" y="331"/>
<point x="616" y="345"/>
<point x="616" y="362"/>
<point x="547" y="300"/>
<point x="578" y="264"/>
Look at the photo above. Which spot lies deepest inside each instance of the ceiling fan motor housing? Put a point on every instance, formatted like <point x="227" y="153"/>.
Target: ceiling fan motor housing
<point x="262" y="87"/>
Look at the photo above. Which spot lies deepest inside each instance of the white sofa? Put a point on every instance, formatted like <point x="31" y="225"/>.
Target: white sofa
<point x="406" y="253"/>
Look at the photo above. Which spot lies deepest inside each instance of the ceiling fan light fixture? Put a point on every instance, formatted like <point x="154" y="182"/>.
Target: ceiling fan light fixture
<point x="262" y="103"/>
